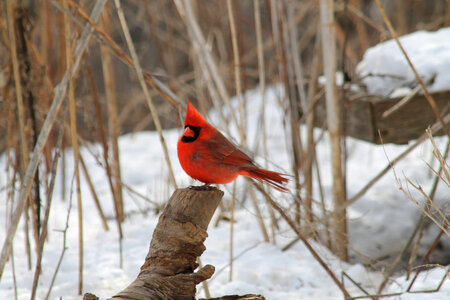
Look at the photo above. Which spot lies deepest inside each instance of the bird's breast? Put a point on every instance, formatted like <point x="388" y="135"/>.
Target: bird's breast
<point x="197" y="162"/>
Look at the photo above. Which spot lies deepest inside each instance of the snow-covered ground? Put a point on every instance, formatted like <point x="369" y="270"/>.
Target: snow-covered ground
<point x="379" y="223"/>
<point x="385" y="70"/>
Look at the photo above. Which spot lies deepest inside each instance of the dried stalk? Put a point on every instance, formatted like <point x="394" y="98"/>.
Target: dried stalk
<point x="26" y="230"/>
<point x="261" y="74"/>
<point x="11" y="183"/>
<point x="43" y="235"/>
<point x="19" y="97"/>
<point x="63" y="174"/>
<point x="24" y="152"/>
<point x="420" y="228"/>
<point x="444" y="166"/>
<point x="298" y="69"/>
<point x="237" y="70"/>
<point x="259" y="216"/>
<point x="94" y="194"/>
<point x="233" y="203"/>
<point x="76" y="151"/>
<point x="204" y="283"/>
<point x="262" y="88"/>
<point x="310" y="145"/>
<point x="63" y="250"/>
<point x="275" y="34"/>
<point x="304" y="100"/>
<point x="27" y="77"/>
<point x="199" y="85"/>
<point x="358" y="13"/>
<point x="441" y="221"/>
<point x="103" y="139"/>
<point x="13" y="269"/>
<point x="292" y="99"/>
<point x="59" y="93"/>
<point x="149" y="100"/>
<point x="322" y="201"/>
<point x="334" y="125"/>
<point x="113" y="126"/>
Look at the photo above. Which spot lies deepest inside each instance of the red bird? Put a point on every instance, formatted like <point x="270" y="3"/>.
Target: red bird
<point x="206" y="155"/>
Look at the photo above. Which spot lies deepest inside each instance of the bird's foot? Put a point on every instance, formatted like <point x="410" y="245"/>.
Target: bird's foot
<point x="205" y="187"/>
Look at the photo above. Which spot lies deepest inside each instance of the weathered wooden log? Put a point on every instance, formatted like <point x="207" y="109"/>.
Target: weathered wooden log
<point x="177" y="242"/>
<point x="364" y="117"/>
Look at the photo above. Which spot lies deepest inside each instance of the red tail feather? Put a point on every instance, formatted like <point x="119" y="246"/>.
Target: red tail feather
<point x="274" y="179"/>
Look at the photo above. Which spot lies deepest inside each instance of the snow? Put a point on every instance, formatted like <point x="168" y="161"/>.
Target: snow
<point x="379" y="223"/>
<point x="384" y="68"/>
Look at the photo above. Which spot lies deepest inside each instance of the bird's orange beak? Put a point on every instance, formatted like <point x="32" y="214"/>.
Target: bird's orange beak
<point x="188" y="132"/>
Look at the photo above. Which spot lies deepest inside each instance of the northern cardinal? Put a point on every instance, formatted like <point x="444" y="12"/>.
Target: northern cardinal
<point x="206" y="155"/>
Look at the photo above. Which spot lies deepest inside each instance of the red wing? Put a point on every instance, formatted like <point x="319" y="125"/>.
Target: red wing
<point x="221" y="150"/>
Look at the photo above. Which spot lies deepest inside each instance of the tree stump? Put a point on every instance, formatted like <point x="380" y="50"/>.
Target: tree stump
<point x="177" y="242"/>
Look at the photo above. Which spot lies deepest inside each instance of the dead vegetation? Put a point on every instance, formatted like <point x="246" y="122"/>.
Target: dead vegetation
<point x="81" y="71"/>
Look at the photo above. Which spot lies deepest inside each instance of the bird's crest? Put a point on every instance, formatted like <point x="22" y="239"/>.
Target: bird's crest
<point x="193" y="117"/>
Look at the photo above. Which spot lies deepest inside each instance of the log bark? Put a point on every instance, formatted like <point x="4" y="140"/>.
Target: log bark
<point x="168" y="270"/>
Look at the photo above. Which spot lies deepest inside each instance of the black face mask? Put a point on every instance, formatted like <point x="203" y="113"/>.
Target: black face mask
<point x="189" y="139"/>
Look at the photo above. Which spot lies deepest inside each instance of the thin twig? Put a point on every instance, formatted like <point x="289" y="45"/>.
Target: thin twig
<point x="358" y="285"/>
<point x="441" y="158"/>
<point x="402" y="102"/>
